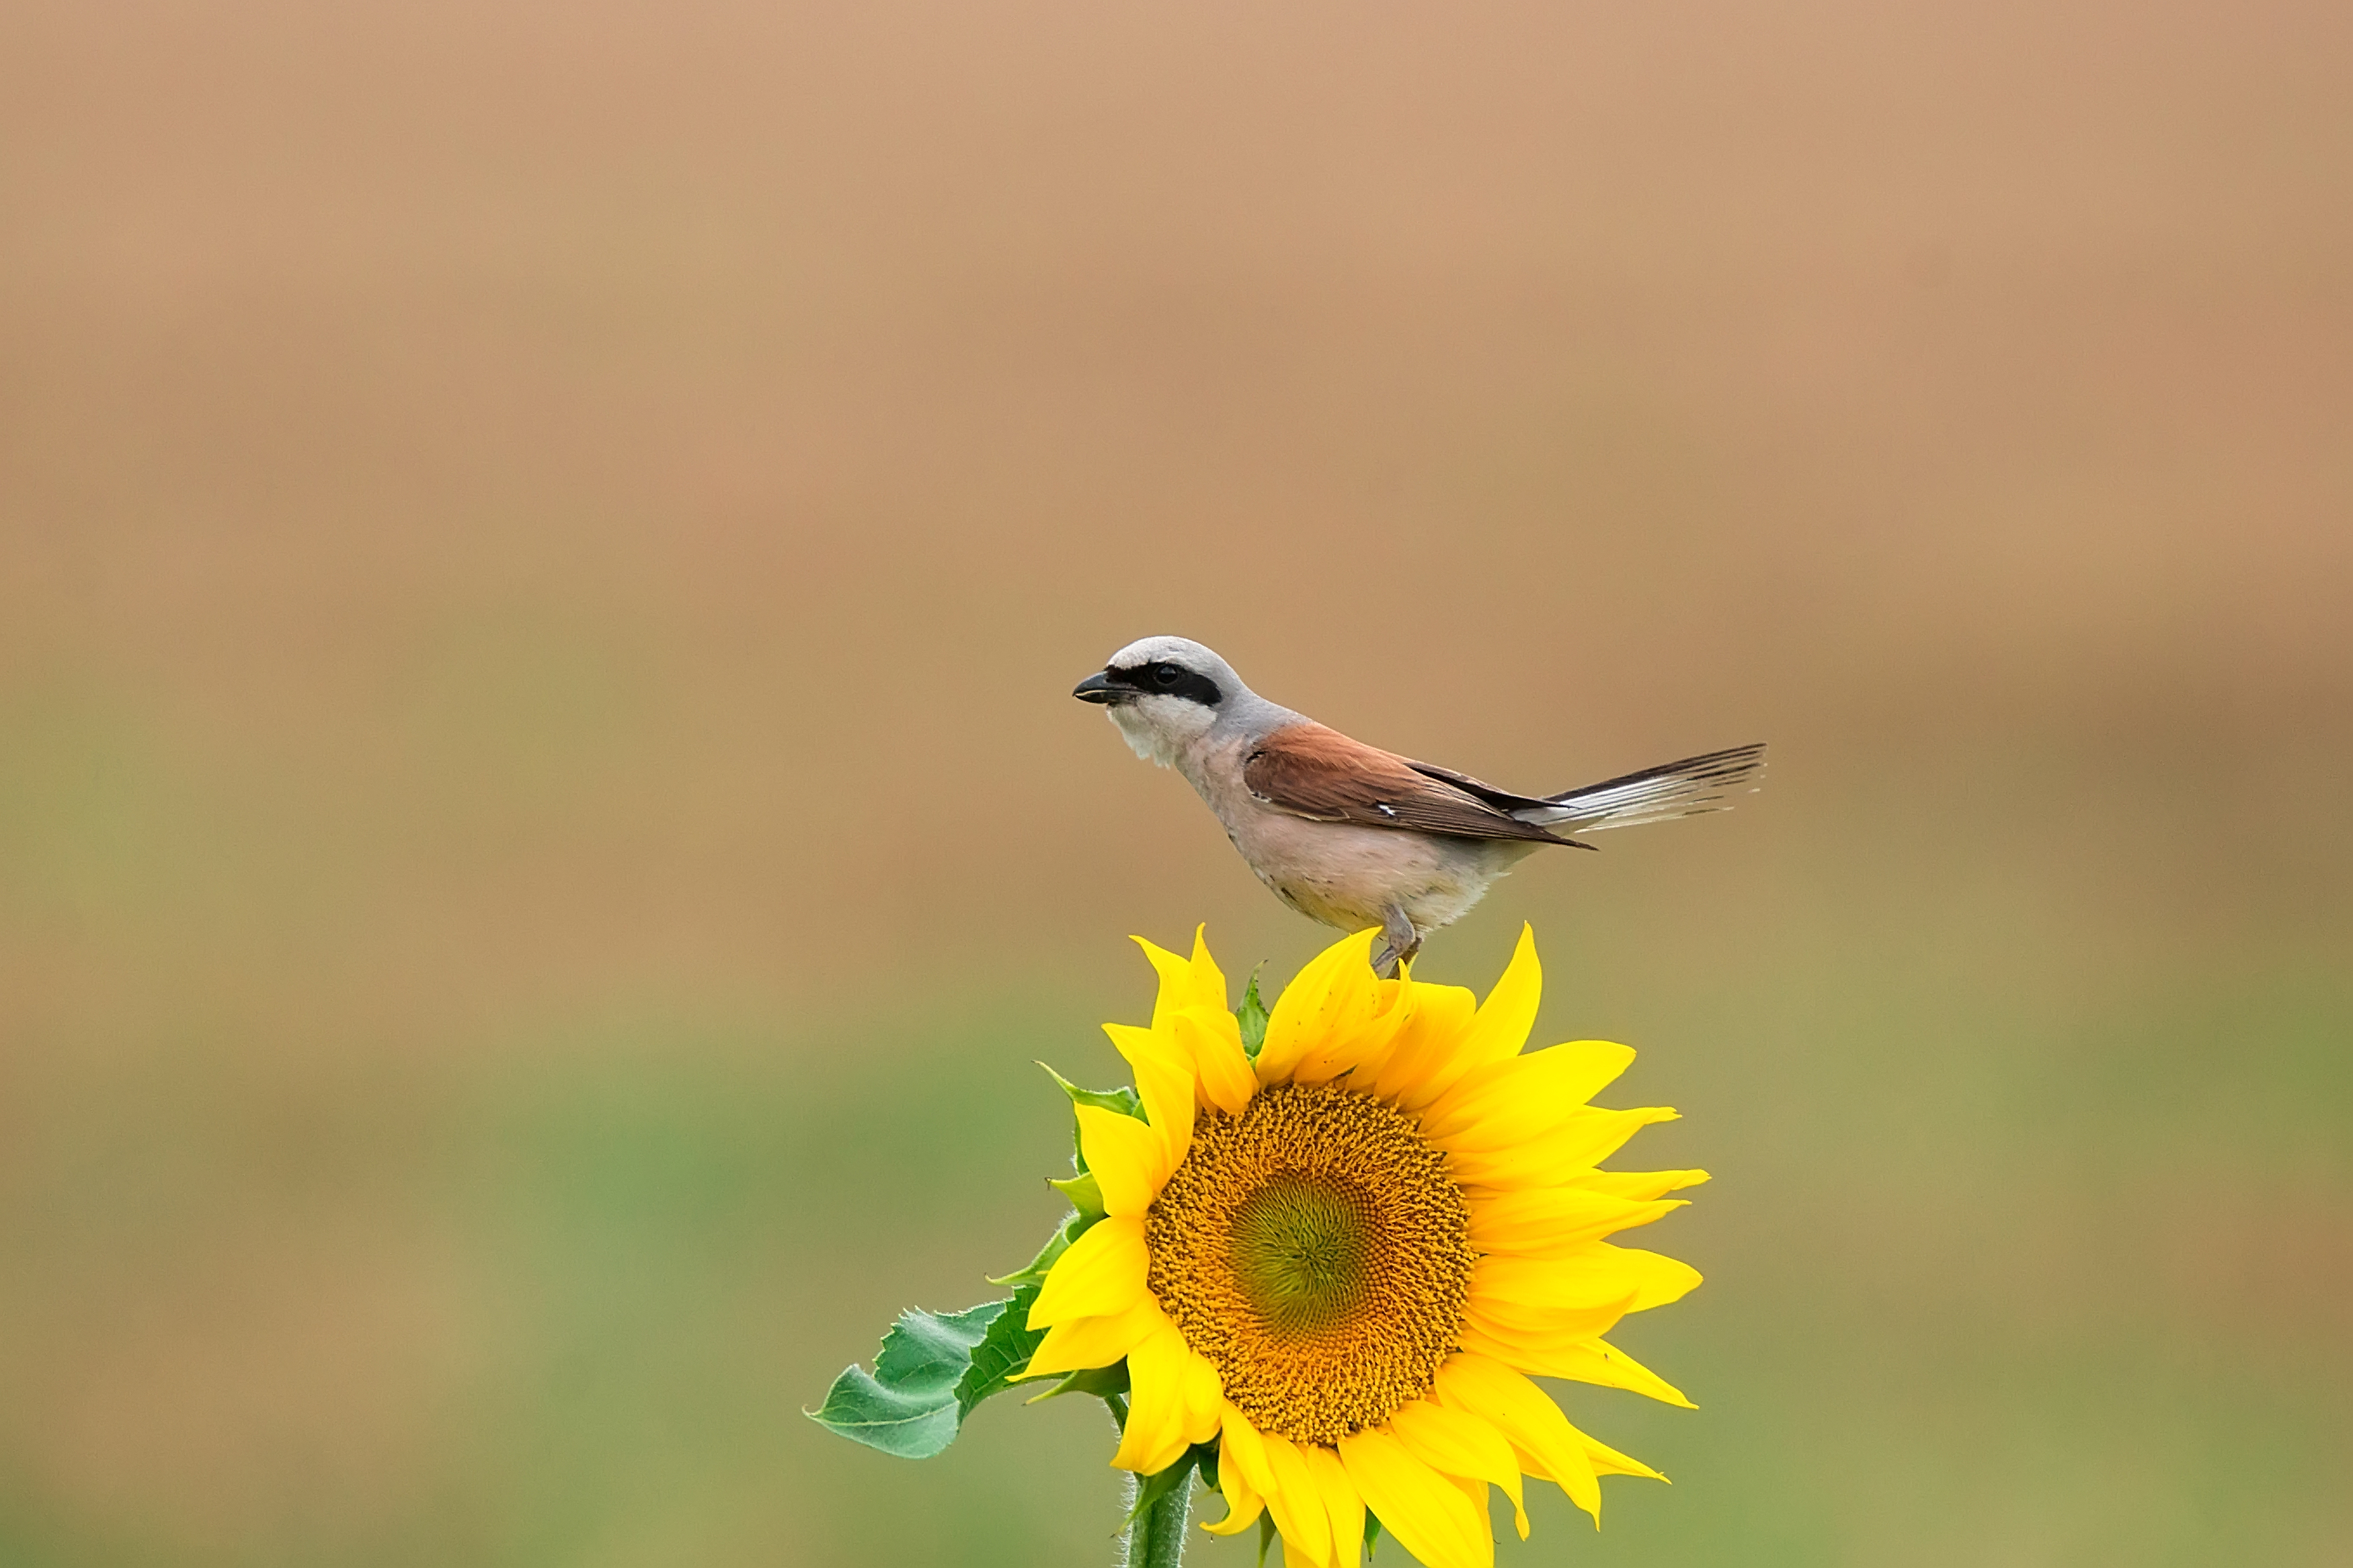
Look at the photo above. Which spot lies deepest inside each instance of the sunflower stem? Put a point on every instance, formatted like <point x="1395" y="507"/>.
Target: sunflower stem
<point x="1154" y="1537"/>
<point x="1157" y="1539"/>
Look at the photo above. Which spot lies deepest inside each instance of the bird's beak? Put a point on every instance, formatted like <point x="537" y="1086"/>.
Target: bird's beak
<point x="1097" y="688"/>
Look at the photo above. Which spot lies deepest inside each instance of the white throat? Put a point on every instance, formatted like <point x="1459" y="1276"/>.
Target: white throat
<point x="1158" y="728"/>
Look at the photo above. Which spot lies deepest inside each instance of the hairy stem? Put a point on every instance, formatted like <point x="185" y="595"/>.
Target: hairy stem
<point x="1157" y="1539"/>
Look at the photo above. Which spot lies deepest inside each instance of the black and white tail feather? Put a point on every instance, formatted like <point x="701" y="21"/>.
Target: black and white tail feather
<point x="1687" y="788"/>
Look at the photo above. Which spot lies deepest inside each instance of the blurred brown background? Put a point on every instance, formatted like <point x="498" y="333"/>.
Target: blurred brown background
<point x="543" y="549"/>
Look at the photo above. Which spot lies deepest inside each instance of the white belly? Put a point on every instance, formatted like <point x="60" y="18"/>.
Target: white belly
<point x="1351" y="877"/>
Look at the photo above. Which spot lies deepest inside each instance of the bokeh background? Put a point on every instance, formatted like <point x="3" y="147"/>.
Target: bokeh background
<point x="542" y="551"/>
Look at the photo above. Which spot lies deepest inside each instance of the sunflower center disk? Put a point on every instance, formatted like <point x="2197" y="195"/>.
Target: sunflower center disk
<point x="1316" y="1251"/>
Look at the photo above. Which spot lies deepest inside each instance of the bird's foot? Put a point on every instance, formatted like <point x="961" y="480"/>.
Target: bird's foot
<point x="1400" y="941"/>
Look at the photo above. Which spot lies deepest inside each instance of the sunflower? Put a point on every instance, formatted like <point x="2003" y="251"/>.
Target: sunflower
<point x="1339" y="1260"/>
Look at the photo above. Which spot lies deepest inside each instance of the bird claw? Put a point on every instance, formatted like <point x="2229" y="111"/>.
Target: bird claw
<point x="1400" y="941"/>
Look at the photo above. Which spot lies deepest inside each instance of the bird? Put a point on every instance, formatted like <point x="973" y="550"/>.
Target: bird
<point x="1354" y="837"/>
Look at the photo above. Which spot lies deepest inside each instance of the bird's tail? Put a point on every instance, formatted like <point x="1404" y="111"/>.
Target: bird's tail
<point x="1685" y="788"/>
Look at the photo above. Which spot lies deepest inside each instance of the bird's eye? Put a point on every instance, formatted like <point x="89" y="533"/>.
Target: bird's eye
<point x="1167" y="674"/>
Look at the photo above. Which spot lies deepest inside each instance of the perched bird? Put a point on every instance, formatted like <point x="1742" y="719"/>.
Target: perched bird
<point x="1353" y="836"/>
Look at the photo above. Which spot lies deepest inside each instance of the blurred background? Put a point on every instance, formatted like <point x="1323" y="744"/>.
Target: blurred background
<point x="543" y="553"/>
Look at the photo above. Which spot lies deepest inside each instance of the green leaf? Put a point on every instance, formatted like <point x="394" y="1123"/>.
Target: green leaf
<point x="932" y="1370"/>
<point x="1002" y="1353"/>
<point x="907" y="1406"/>
<point x="1252" y="1018"/>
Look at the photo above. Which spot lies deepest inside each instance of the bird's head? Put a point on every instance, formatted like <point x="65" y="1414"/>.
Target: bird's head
<point x="1162" y="692"/>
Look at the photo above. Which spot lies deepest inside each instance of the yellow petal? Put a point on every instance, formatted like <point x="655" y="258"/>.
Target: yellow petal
<point x="1329" y="999"/>
<point x="1642" y="1186"/>
<point x="1534" y="1222"/>
<point x="1297" y="1503"/>
<point x="1208" y="989"/>
<point x="1531" y="1423"/>
<point x="1476" y="1492"/>
<point x="1094" y="1342"/>
<point x="1393" y="1016"/>
<point x="1583" y="1138"/>
<point x="1530" y="1332"/>
<point x="1364" y="1041"/>
<point x="1157" y="1374"/>
<point x="1481" y="1339"/>
<point x="1543" y="1283"/>
<point x="1101" y="1274"/>
<point x="1585" y="1495"/>
<point x="1608" y="1461"/>
<point x="1243" y="1502"/>
<point x="1576" y="1360"/>
<point x="1438" y="1018"/>
<point x="1165" y="1082"/>
<point x="1608" y="1366"/>
<point x="1497" y="1033"/>
<point x="1521" y="1097"/>
<point x="1243" y="1447"/>
<point x="1126" y="1157"/>
<point x="1428" y="1514"/>
<point x="1542" y="1354"/>
<point x="1592" y="1274"/>
<point x="1457" y="1444"/>
<point x="1175" y="980"/>
<point x="1205" y="1398"/>
<point x="1342" y="1505"/>
<point x="1214" y="1041"/>
<point x="1298" y="1003"/>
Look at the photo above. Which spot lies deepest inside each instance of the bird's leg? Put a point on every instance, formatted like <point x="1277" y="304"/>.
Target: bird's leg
<point x="1400" y="941"/>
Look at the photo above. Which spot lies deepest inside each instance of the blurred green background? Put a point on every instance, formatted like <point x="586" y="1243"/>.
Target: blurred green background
<point x="542" y="551"/>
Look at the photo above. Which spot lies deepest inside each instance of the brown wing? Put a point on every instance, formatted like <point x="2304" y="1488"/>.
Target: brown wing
<point x="1500" y="799"/>
<point x="1316" y="772"/>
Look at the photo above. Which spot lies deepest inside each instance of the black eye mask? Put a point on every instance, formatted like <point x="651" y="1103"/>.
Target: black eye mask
<point x="1149" y="678"/>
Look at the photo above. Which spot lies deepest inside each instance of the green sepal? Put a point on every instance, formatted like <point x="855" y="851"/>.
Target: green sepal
<point x="1105" y="1383"/>
<point x="1265" y="1536"/>
<point x="1085" y="1194"/>
<point x="1161" y="1483"/>
<point x="932" y="1370"/>
<point x="1033" y="1272"/>
<point x="1205" y="1459"/>
<point x="1372" y="1532"/>
<point x="1122" y="1099"/>
<point x="1253" y="1016"/>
